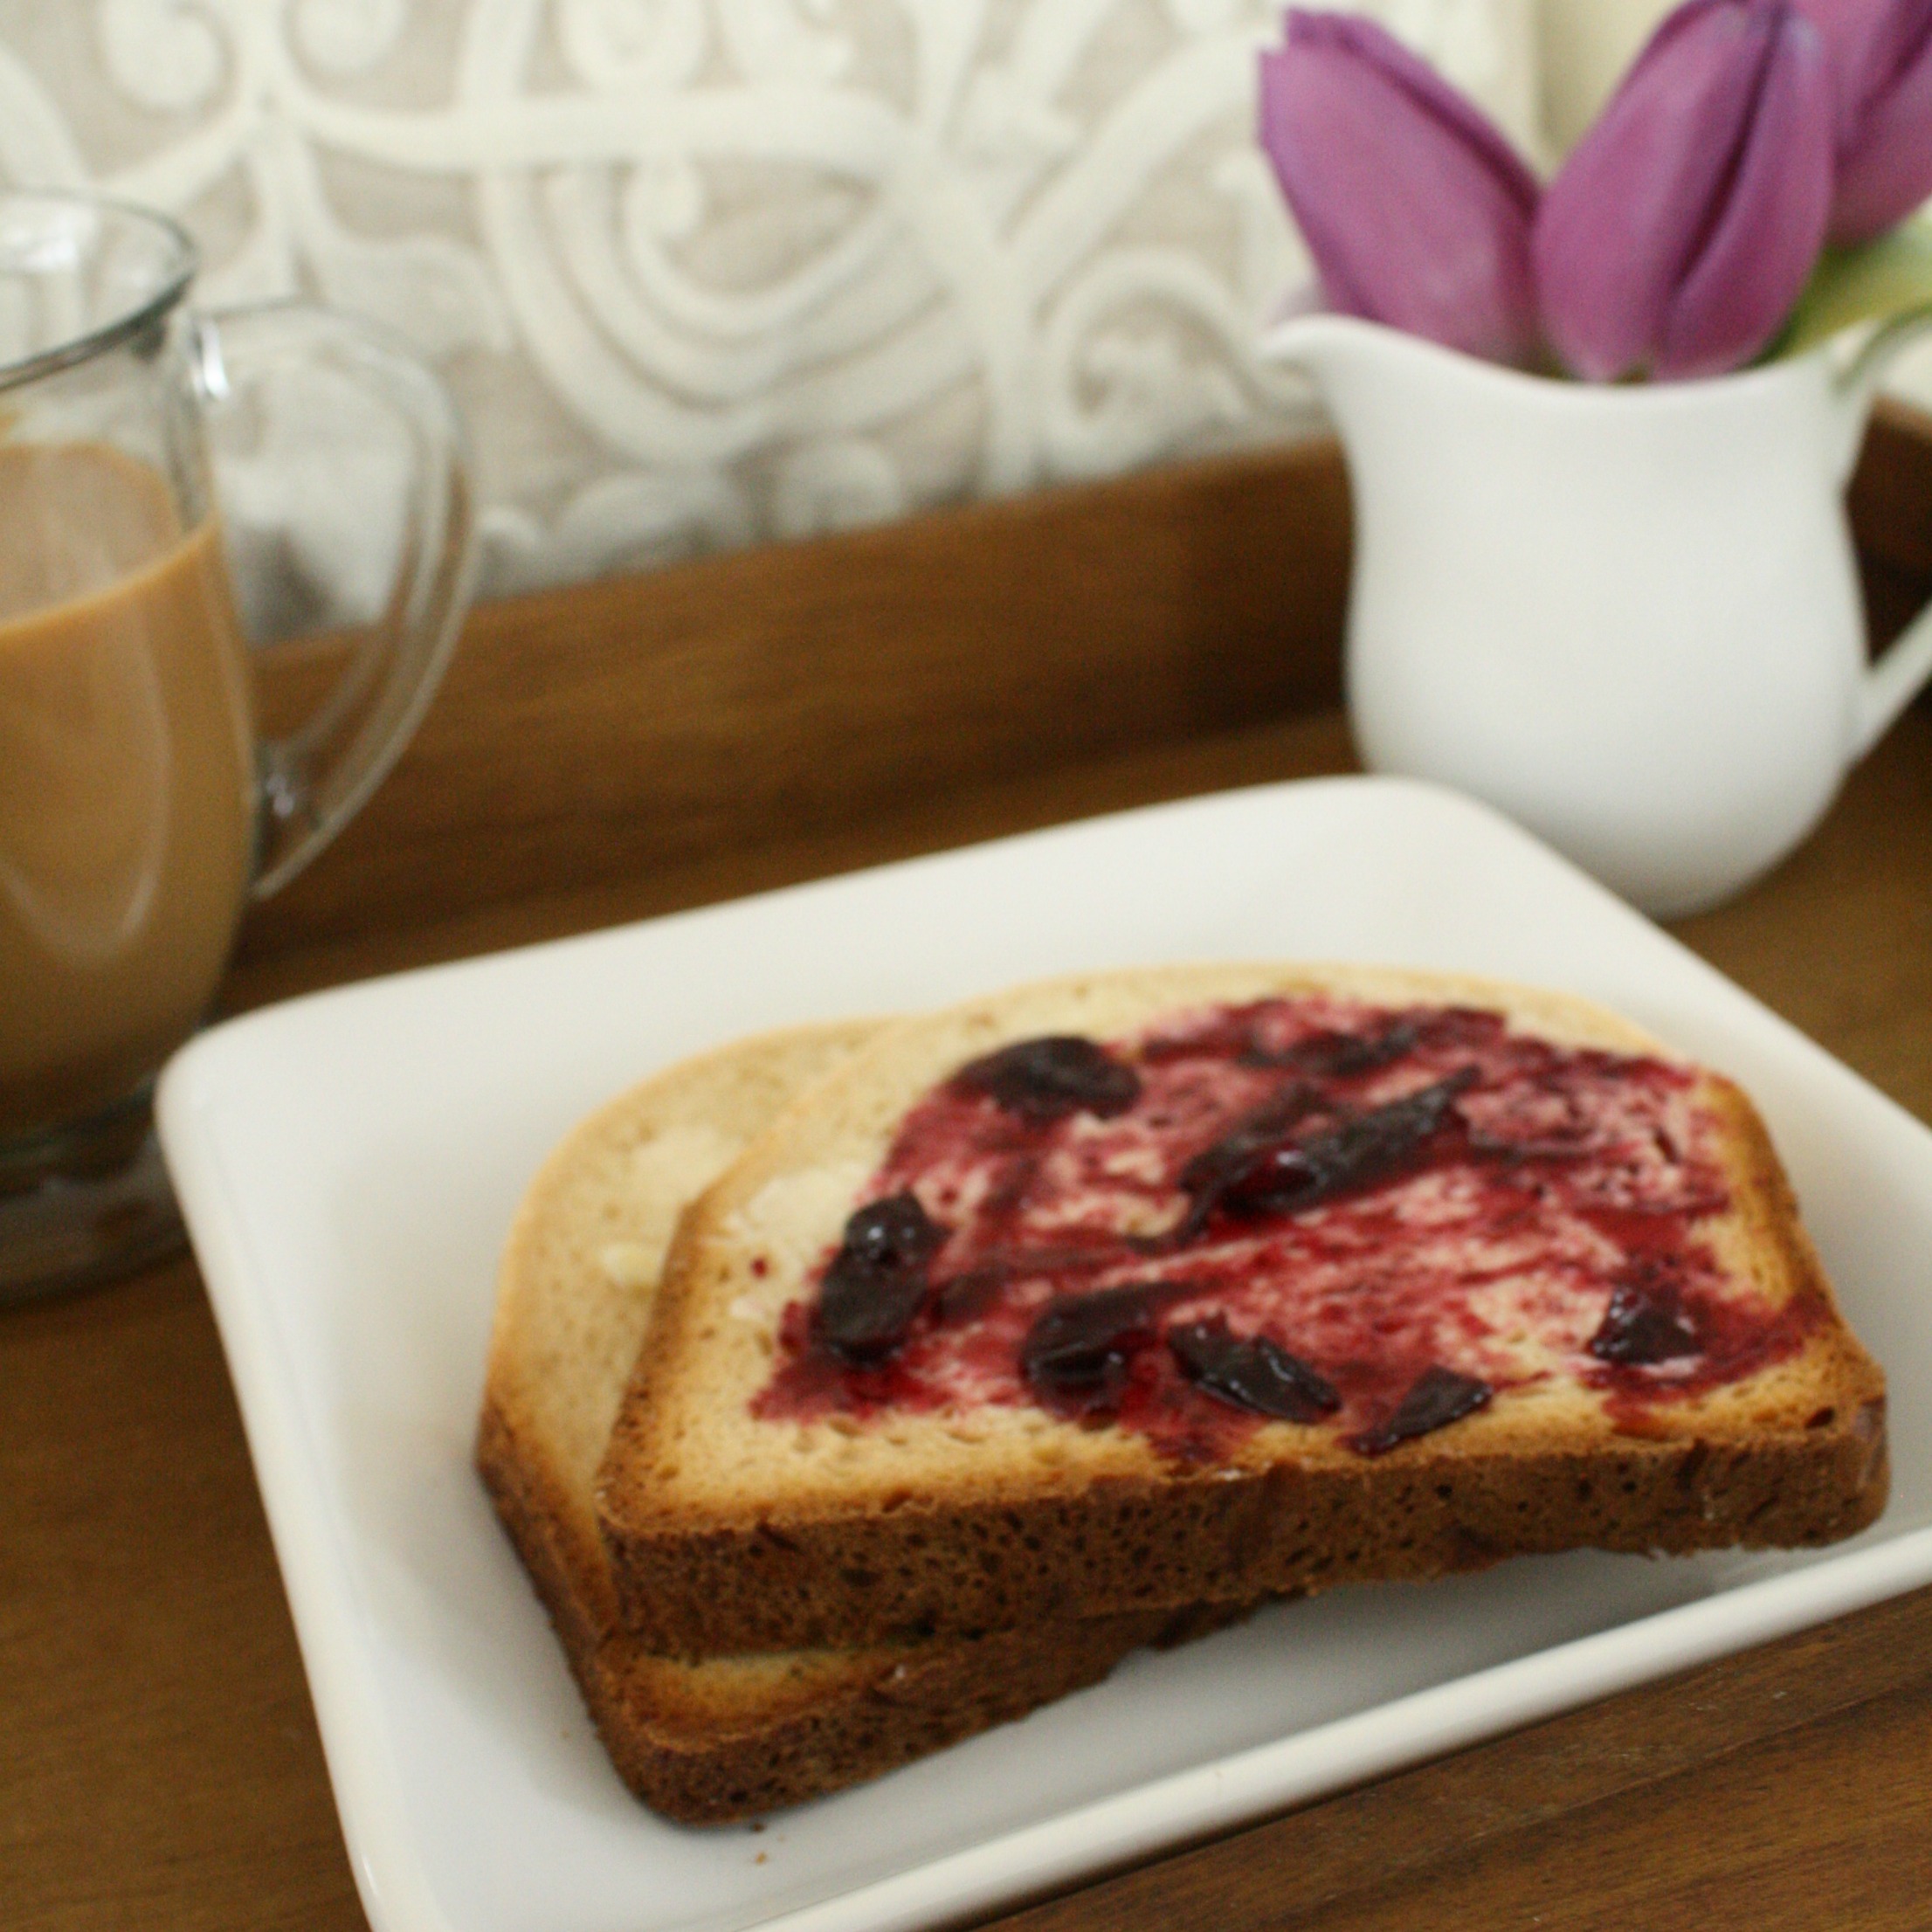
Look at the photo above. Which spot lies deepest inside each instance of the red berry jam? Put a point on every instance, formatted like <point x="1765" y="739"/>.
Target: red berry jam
<point x="1308" y="1210"/>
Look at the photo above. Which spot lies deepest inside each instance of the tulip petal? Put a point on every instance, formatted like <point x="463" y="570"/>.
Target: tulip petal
<point x="1624" y="213"/>
<point x="1887" y="170"/>
<point x="1753" y="266"/>
<point x="1662" y="243"/>
<point x="1863" y="42"/>
<point x="1415" y="210"/>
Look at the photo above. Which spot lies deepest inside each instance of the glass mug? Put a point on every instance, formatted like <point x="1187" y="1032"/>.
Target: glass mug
<point x="140" y="808"/>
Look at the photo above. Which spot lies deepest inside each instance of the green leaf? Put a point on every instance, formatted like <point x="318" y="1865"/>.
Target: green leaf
<point x="1884" y="277"/>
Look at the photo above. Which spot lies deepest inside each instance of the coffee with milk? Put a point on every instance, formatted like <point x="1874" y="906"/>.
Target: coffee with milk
<point x="126" y="787"/>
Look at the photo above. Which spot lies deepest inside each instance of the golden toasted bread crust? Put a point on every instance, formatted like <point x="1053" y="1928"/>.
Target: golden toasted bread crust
<point x="727" y="1531"/>
<point x="729" y="1738"/>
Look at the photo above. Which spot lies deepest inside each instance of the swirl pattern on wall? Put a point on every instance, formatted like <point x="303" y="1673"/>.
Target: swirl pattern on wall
<point x="705" y="271"/>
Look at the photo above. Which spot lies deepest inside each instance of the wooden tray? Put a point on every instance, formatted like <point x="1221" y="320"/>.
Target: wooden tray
<point x="659" y="741"/>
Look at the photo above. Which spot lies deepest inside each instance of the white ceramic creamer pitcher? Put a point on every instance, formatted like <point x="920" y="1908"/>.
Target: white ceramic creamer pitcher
<point x="1629" y="616"/>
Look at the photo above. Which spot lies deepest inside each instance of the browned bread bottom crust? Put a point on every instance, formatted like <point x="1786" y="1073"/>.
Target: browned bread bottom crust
<point x="729" y="1738"/>
<point x="714" y="1741"/>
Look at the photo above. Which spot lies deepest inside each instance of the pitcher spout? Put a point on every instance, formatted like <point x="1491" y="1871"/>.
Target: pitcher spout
<point x="1315" y="341"/>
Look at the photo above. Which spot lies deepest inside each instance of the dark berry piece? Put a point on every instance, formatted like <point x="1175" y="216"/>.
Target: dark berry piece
<point x="876" y="1283"/>
<point x="1437" y="1397"/>
<point x="1246" y="1173"/>
<point x="1259" y="1374"/>
<point x="864" y="1315"/>
<point x="1350" y="1054"/>
<point x="1079" y="1348"/>
<point x="1642" y="1325"/>
<point x="1253" y="1135"/>
<point x="895" y="1233"/>
<point x="1047" y="1078"/>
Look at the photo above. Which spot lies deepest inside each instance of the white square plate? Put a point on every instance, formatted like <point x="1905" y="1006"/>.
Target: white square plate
<point x="348" y="1164"/>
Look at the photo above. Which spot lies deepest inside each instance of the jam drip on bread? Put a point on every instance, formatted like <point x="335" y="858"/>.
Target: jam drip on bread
<point x="1309" y="1211"/>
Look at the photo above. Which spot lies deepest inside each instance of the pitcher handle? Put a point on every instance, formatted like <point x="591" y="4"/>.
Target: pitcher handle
<point x="1890" y="683"/>
<point x="314" y="778"/>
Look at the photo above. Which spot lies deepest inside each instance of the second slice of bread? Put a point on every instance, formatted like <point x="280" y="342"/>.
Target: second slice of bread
<point x="731" y="1737"/>
<point x="733" y="1530"/>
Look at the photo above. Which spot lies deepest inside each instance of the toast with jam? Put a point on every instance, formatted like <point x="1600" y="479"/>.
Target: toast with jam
<point x="731" y="1737"/>
<point x="1130" y="1291"/>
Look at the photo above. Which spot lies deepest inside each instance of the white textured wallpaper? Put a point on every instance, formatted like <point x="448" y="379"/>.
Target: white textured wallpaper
<point x="703" y="272"/>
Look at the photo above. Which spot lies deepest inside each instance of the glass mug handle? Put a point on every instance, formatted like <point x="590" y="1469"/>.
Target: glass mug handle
<point x="315" y="778"/>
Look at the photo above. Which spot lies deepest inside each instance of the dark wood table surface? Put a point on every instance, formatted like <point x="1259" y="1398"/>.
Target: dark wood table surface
<point x="608" y="754"/>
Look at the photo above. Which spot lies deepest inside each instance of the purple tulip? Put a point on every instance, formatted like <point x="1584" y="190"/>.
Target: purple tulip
<point x="1677" y="236"/>
<point x="1881" y="59"/>
<point x="1415" y="210"/>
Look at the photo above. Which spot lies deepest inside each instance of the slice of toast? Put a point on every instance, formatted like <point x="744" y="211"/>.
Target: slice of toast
<point x="729" y="1738"/>
<point x="1140" y="1288"/>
